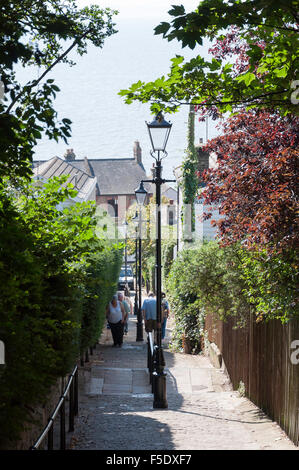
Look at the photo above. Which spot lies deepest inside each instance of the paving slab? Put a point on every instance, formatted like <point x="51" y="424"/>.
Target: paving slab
<point x="116" y="376"/>
<point x="95" y="386"/>
<point x="117" y="388"/>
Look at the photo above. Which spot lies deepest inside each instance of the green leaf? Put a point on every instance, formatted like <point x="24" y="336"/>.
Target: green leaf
<point x="247" y="78"/>
<point x="282" y="72"/>
<point x="162" y="28"/>
<point x="177" y="10"/>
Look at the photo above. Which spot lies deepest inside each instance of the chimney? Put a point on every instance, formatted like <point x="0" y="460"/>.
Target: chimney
<point x="137" y="152"/>
<point x="69" y="155"/>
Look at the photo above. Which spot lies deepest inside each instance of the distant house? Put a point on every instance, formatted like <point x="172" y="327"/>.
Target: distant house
<point x="203" y="228"/>
<point x="82" y="182"/>
<point x="116" y="179"/>
<point x="111" y="182"/>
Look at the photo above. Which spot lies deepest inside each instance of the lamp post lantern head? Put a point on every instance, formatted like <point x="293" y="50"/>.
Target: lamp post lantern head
<point x="159" y="131"/>
<point x="140" y="194"/>
<point x="135" y="219"/>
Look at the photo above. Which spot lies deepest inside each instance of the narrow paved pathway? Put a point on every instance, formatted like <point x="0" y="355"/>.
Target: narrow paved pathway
<point x="204" y="413"/>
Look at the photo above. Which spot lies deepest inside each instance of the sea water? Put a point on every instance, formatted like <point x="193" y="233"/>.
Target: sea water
<point x="103" y="126"/>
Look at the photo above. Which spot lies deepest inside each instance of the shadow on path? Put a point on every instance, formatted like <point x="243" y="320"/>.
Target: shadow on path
<point x="116" y="405"/>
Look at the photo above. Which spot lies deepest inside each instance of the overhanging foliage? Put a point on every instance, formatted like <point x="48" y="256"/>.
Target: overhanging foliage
<point x="56" y="276"/>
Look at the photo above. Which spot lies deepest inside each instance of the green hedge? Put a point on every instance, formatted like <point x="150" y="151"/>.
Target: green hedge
<point x="101" y="283"/>
<point x="56" y="276"/>
<point x="149" y="272"/>
<point x="271" y="284"/>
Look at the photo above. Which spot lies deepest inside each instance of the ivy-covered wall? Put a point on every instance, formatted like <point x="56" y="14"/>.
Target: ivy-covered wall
<point x="189" y="181"/>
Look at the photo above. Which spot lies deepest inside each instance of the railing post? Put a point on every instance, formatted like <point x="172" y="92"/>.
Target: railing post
<point x="149" y="360"/>
<point x="148" y="353"/>
<point x="62" y="426"/>
<point x="76" y="394"/>
<point x="152" y="360"/>
<point x="154" y="369"/>
<point x="86" y="356"/>
<point x="50" y="438"/>
<point x="71" y="409"/>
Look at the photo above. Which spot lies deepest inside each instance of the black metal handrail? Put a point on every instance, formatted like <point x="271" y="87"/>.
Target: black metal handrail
<point x="150" y="356"/>
<point x="72" y="389"/>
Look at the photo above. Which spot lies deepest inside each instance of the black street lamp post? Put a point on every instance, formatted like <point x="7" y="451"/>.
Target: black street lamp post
<point x="159" y="131"/>
<point x="135" y="220"/>
<point x="125" y="225"/>
<point x="139" y="332"/>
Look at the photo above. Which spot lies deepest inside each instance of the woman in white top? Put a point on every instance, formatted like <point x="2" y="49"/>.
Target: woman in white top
<point x="115" y="314"/>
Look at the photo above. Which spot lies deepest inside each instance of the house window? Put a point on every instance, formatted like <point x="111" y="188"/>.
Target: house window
<point x="112" y="207"/>
<point x="171" y="215"/>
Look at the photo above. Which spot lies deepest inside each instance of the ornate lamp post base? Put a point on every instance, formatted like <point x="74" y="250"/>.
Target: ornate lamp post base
<point x="139" y="328"/>
<point x="159" y="388"/>
<point x="159" y="378"/>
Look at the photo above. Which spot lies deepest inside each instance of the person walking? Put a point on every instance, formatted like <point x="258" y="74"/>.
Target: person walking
<point x="115" y="314"/>
<point x="124" y="302"/>
<point x="129" y="302"/>
<point x="149" y="311"/>
<point x="165" y="313"/>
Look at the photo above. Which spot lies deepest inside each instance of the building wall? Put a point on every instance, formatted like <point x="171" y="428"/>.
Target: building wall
<point x="204" y="231"/>
<point x="131" y="199"/>
<point x="92" y="196"/>
<point x="105" y="202"/>
<point x="123" y="203"/>
<point x="171" y="194"/>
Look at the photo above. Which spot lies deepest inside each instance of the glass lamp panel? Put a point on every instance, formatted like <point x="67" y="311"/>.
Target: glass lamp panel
<point x="140" y="194"/>
<point x="140" y="197"/>
<point x="159" y="137"/>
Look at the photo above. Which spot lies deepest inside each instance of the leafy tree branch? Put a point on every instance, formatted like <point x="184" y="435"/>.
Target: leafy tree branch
<point x="261" y="37"/>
